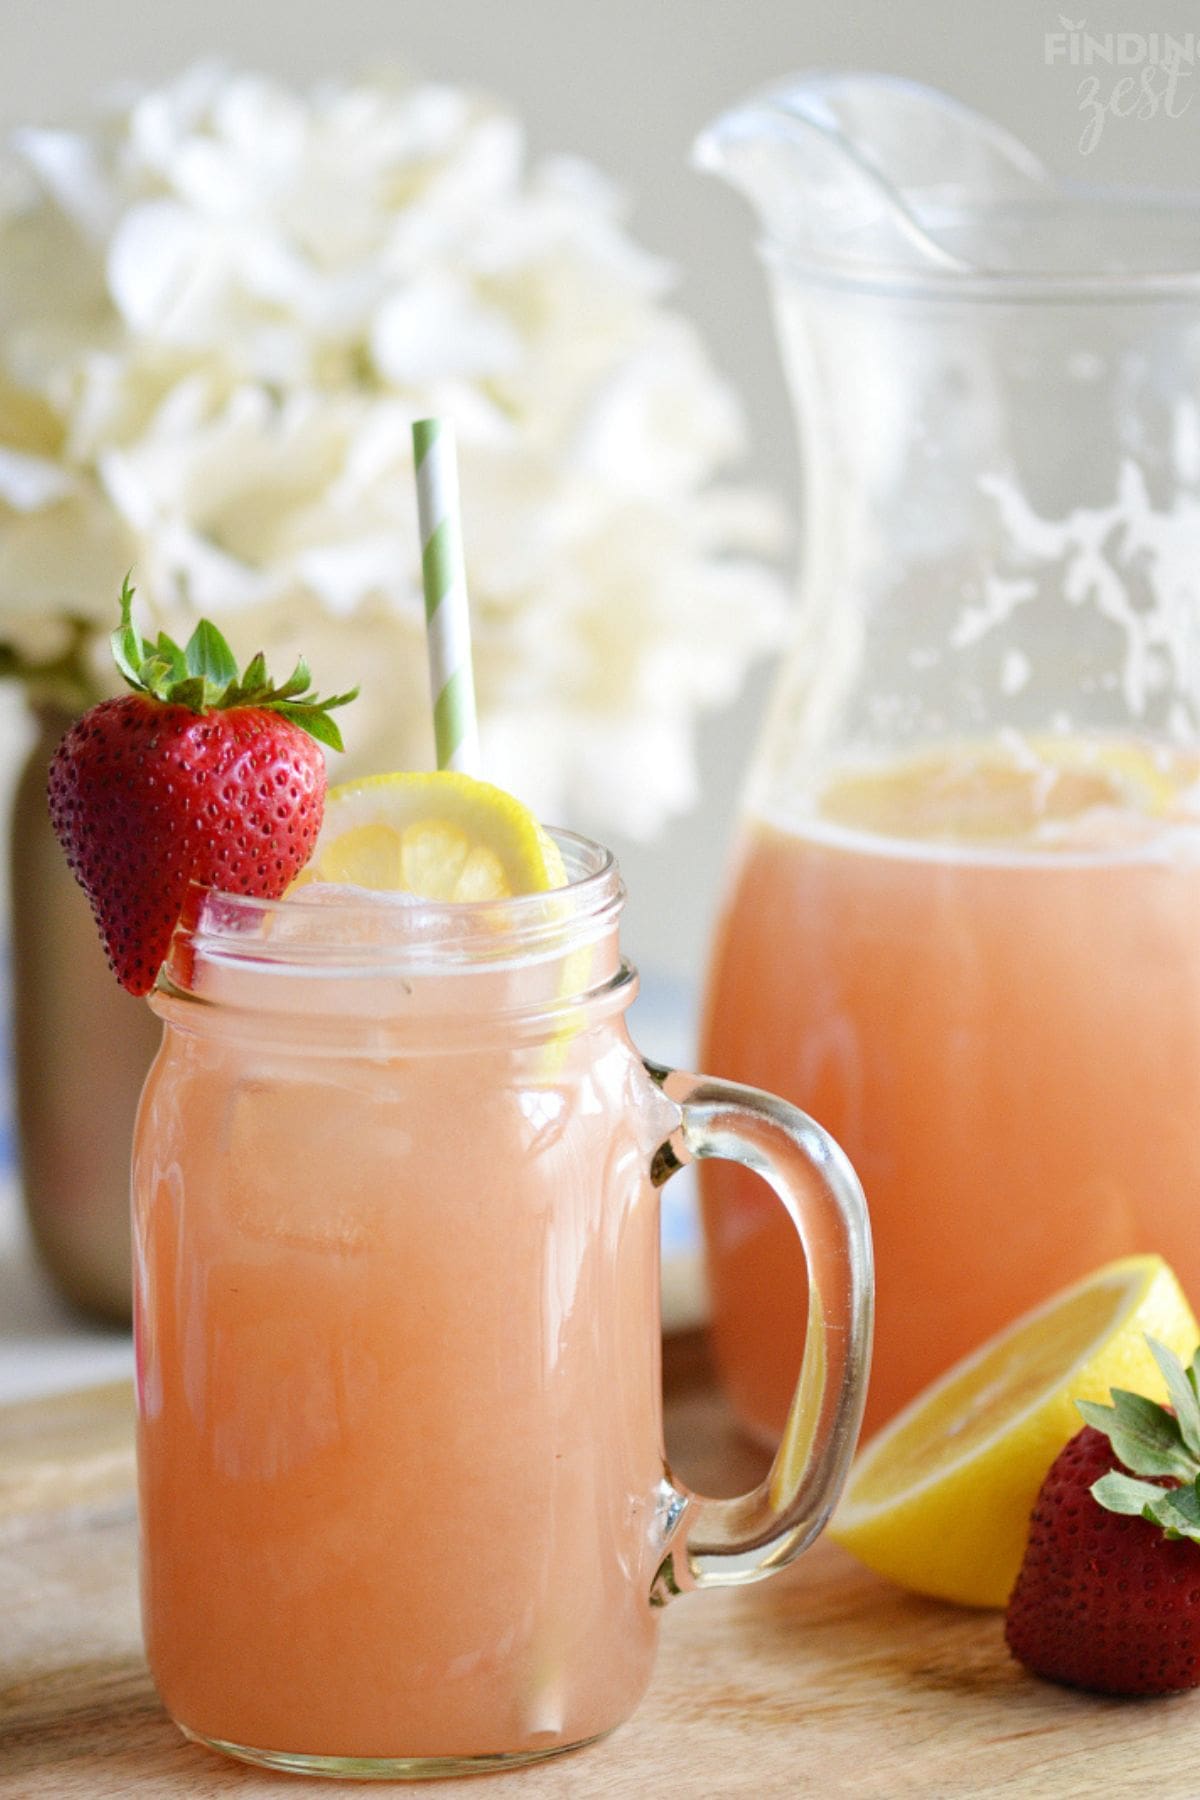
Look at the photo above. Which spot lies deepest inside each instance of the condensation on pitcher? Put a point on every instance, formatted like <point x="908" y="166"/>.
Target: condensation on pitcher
<point x="1185" y="440"/>
<point x="1015" y="671"/>
<point x="999" y="599"/>
<point x="1133" y="564"/>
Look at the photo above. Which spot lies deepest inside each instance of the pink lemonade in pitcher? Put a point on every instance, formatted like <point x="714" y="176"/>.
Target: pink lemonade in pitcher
<point x="980" y="971"/>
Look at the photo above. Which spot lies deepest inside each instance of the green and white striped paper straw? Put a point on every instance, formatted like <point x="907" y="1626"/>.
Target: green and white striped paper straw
<point x="447" y="619"/>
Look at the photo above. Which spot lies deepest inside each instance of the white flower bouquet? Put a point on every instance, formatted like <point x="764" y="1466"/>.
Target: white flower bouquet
<point x="222" y="305"/>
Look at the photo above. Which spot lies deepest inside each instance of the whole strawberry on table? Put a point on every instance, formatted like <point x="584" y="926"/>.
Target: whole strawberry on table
<point x="1108" y="1597"/>
<point x="199" y="775"/>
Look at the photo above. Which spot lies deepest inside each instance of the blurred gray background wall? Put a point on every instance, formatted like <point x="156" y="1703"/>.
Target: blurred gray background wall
<point x="628" y="83"/>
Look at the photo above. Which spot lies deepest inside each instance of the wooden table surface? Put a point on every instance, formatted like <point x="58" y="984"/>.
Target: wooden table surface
<point x="822" y="1681"/>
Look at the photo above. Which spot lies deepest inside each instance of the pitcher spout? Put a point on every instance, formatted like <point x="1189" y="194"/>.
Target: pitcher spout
<point x="857" y="171"/>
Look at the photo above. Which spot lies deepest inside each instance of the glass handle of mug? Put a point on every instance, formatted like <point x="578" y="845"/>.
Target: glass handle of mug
<point x="719" y="1543"/>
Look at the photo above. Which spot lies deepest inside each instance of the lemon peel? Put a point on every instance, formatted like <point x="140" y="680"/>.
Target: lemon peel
<point x="940" y="1499"/>
<point x="440" y="835"/>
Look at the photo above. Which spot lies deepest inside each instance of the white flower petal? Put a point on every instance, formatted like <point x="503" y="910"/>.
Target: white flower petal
<point x="151" y="261"/>
<point x="28" y="483"/>
<point x="63" y="559"/>
<point x="68" y="167"/>
<point x="342" y="576"/>
<point x="163" y="118"/>
<point x="130" y="495"/>
<point x="662" y="423"/>
<point x="185" y="561"/>
<point x="436" y="330"/>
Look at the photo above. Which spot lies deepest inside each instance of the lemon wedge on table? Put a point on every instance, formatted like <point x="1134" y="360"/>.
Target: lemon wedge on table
<point x="442" y="836"/>
<point x="940" y="1499"/>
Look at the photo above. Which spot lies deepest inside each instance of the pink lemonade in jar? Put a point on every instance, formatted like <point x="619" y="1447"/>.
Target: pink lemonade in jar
<point x="400" y="1413"/>
<point x="403" y="1497"/>
<point x="980" y="970"/>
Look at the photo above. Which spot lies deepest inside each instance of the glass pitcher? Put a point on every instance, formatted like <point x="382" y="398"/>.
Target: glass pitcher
<point x="963" y="922"/>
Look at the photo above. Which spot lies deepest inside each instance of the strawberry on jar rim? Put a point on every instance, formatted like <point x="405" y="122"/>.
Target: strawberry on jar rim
<point x="198" y="775"/>
<point x="1108" y="1597"/>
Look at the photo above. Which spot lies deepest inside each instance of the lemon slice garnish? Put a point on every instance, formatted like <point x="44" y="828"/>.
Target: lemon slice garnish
<point x="1037" y="790"/>
<point x="440" y="836"/>
<point x="940" y="1499"/>
<point x="1137" y="775"/>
